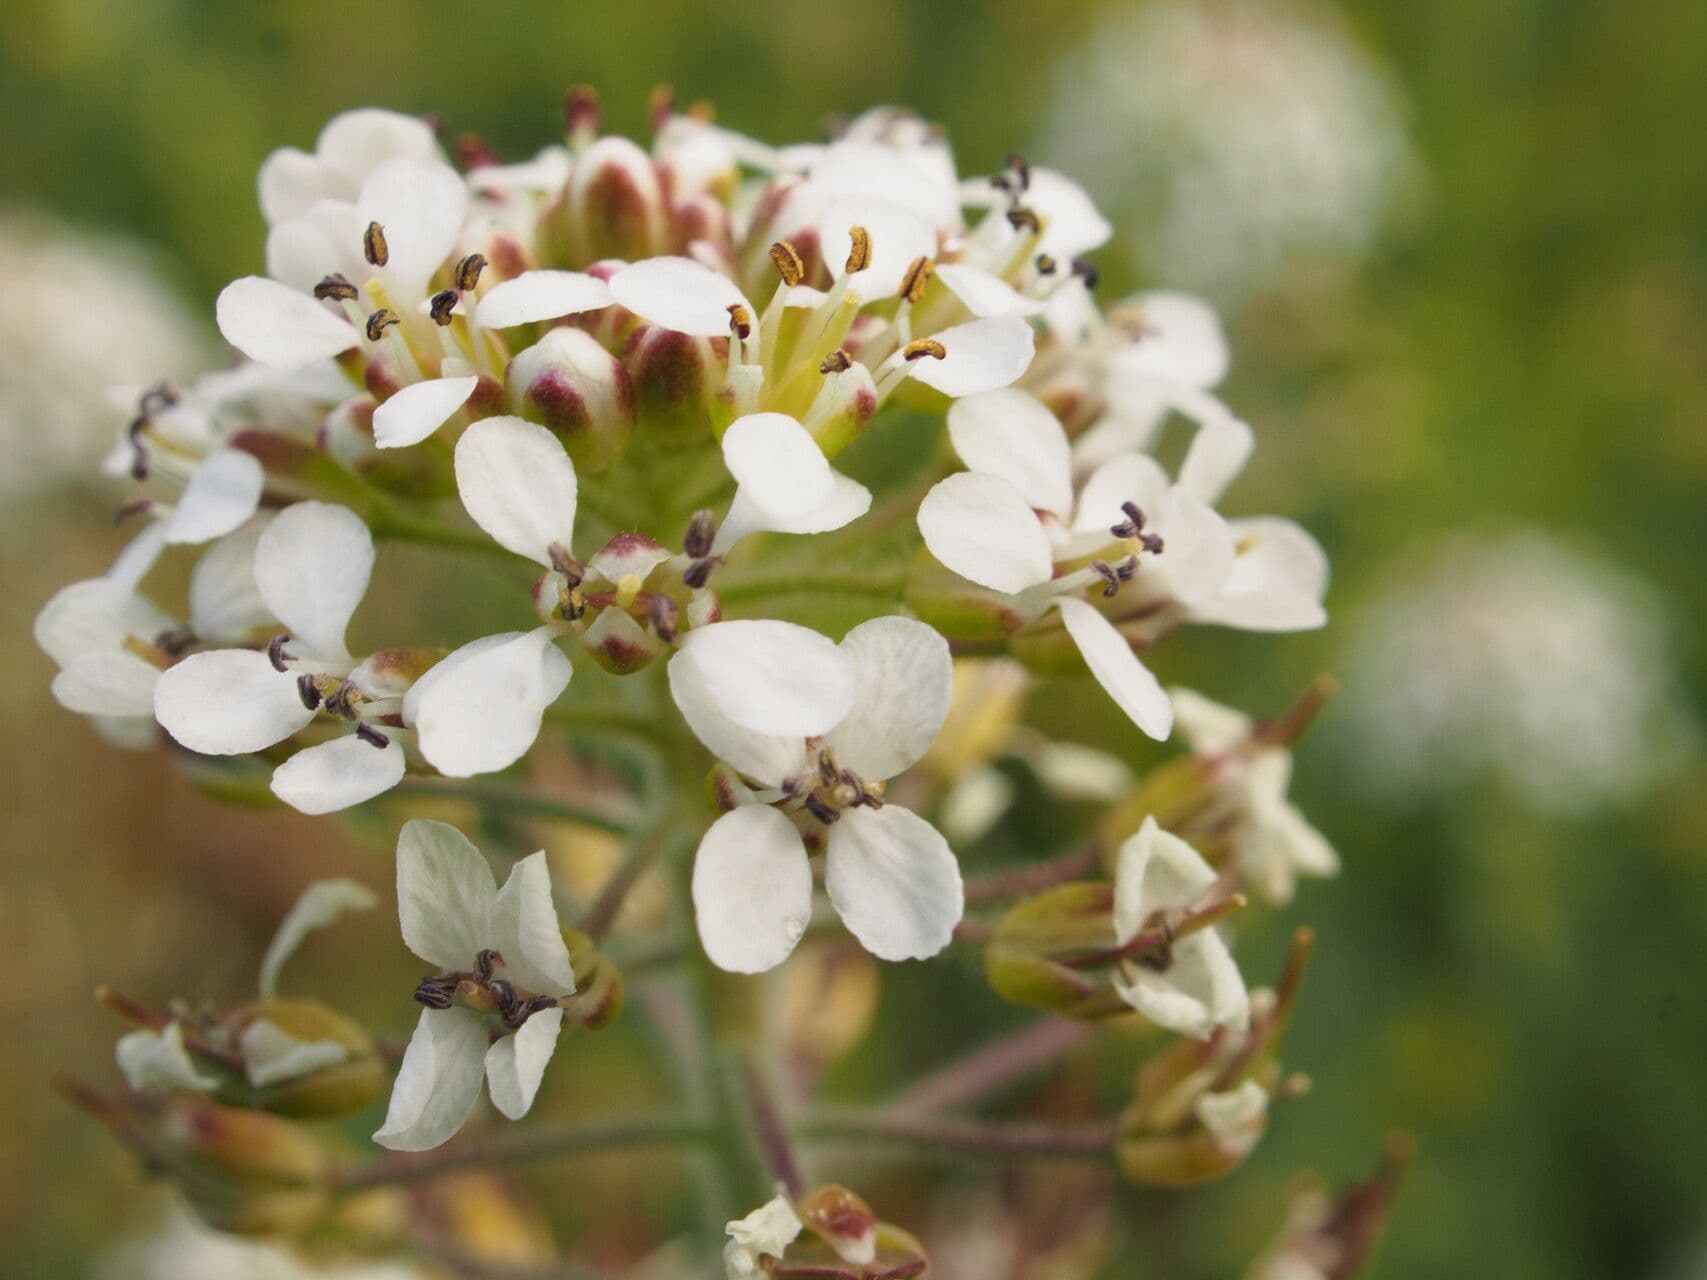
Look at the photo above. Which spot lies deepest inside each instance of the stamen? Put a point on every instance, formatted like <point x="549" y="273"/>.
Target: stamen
<point x="566" y="564"/>
<point x="1133" y="525"/>
<point x="1021" y="218"/>
<point x="379" y="322"/>
<point x="436" y="991"/>
<point x="1046" y="265"/>
<point x="816" y="806"/>
<point x="702" y="532"/>
<point x="468" y="271"/>
<point x="740" y="320"/>
<point x="374" y="248"/>
<point x="158" y="397"/>
<point x="789" y="264"/>
<point x="660" y="105"/>
<point x="484" y="963"/>
<point x="1021" y="171"/>
<point x="664" y="615"/>
<point x="838" y="361"/>
<point x="581" y="113"/>
<point x="276" y="652"/>
<point x="176" y="642"/>
<point x="923" y="347"/>
<point x="337" y="288"/>
<point x="1086" y="272"/>
<point x="373" y="737"/>
<point x="443" y="303"/>
<point x="699" y="572"/>
<point x="918" y="275"/>
<point x="859" y="251"/>
<point x="520" y="1013"/>
<point x="308" y="691"/>
<point x="135" y="507"/>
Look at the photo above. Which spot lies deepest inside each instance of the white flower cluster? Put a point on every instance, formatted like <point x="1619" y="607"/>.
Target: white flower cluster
<point x="709" y="324"/>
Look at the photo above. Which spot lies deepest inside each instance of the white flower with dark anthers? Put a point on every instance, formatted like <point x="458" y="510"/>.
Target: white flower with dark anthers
<point x="819" y="728"/>
<point x="1193" y="985"/>
<point x="784" y="484"/>
<point x="312" y="564"/>
<point x="766" y="1232"/>
<point x="1272" y="842"/>
<point x="503" y="966"/>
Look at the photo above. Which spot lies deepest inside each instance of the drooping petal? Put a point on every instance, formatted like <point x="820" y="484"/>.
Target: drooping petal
<point x="418" y="410"/>
<point x="1110" y="658"/>
<point x="225" y="602"/>
<point x="984" y="293"/>
<point x="768" y="677"/>
<point x="313" y="564"/>
<point x="1201" y="989"/>
<point x="525" y="929"/>
<point x="679" y="294"/>
<point x="321" y="904"/>
<point x="1010" y="434"/>
<point x="905" y="678"/>
<point x="107" y="683"/>
<point x="439" y="1081"/>
<point x="334" y="775"/>
<point x="541" y="295"/>
<point x="139" y="555"/>
<point x="982" y="527"/>
<point x="752" y="889"/>
<point x="420" y="205"/>
<point x="158" y="1060"/>
<point x="479" y="710"/>
<point x="445" y="894"/>
<point x="766" y="1232"/>
<point x="517" y="482"/>
<point x="894" y="881"/>
<point x="1182" y="340"/>
<point x="778" y="463"/>
<point x="982" y="355"/>
<point x="274" y="324"/>
<point x="1155" y="871"/>
<point x="223" y="492"/>
<point x="516" y="1063"/>
<point x="228" y="702"/>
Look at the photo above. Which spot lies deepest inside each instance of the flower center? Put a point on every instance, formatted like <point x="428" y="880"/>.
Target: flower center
<point x="482" y="990"/>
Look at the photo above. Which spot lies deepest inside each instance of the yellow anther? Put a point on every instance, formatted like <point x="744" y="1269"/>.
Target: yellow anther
<point x="788" y="263"/>
<point x="918" y="276"/>
<point x="923" y="347"/>
<point x="859" y="249"/>
<point x="374" y="248"/>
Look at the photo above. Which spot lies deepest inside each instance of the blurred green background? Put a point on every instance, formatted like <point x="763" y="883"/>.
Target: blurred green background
<point x="1514" y="335"/>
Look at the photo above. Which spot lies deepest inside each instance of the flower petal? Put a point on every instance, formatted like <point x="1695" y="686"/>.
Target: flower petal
<point x="95" y="615"/>
<point x="1127" y="477"/>
<point x="1217" y="454"/>
<point x="848" y="500"/>
<point x="355" y="143"/>
<point x="275" y="325"/>
<point x="445" y="894"/>
<point x="1072" y="224"/>
<point x="291" y="181"/>
<point x="541" y="295"/>
<point x="1197" y="553"/>
<point x="1128" y="681"/>
<point x="420" y="205"/>
<point x="223" y="492"/>
<point x="768" y="677"/>
<point x="414" y="413"/>
<point x="228" y="702"/>
<point x="905" y="678"/>
<point x="982" y="355"/>
<point x="334" y="775"/>
<point x="679" y="294"/>
<point x="767" y="758"/>
<point x="752" y="889"/>
<point x="1010" y="434"/>
<point x="1183" y="340"/>
<point x="778" y="463"/>
<point x="1201" y="990"/>
<point x="157" y="1060"/>
<point x="894" y="881"/>
<point x="898" y="237"/>
<point x="516" y="1063"/>
<point x="479" y="709"/>
<point x="526" y="930"/>
<point x="225" y="602"/>
<point x="107" y="683"/>
<point x="983" y="528"/>
<point x="984" y="293"/>
<point x="1276" y="583"/>
<point x="439" y="1081"/>
<point x="319" y="905"/>
<point x="271" y="1055"/>
<point x="1207" y="726"/>
<point x="1155" y="871"/>
<point x="517" y="482"/>
<point x="313" y="564"/>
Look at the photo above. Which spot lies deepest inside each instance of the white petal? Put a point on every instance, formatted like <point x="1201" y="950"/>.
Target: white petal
<point x="628" y="553"/>
<point x="983" y="528"/>
<point x="95" y="615"/>
<point x="1208" y="726"/>
<point x="679" y="294"/>
<point x="439" y="1081"/>
<point x="271" y="1055"/>
<point x="313" y="563"/>
<point x="1128" y="681"/>
<point x="1277" y="581"/>
<point x="778" y="463"/>
<point x="109" y="683"/>
<point x="1072" y="225"/>
<point x="1010" y="434"/>
<point x="526" y="930"/>
<point x="1197" y="553"/>
<point x="1235" y="1117"/>
<point x="848" y="500"/>
<point x="769" y="677"/>
<point x="982" y="355"/>
<point x="301" y="254"/>
<point x="752" y="889"/>
<point x="1155" y="871"/>
<point x="1127" y="477"/>
<point x="541" y="295"/>
<point x="414" y="413"/>
<point x="898" y="238"/>
<point x="479" y="710"/>
<point x="223" y="492"/>
<point x="319" y="905"/>
<point x="894" y="881"/>
<point x="905" y="678"/>
<point x="132" y="564"/>
<point x="913" y="178"/>
<point x="291" y="181"/>
<point x="767" y="758"/>
<point x="335" y="775"/>
<point x="765" y="1232"/>
<point x="225" y="602"/>
<point x="985" y="293"/>
<point x="445" y="894"/>
<point x="1218" y="453"/>
<point x="1201" y="990"/>
<point x="420" y="204"/>
<point x="274" y="324"/>
<point x="228" y="702"/>
<point x="517" y="482"/>
<point x="516" y="1063"/>
<point x="151" y="1060"/>
<point x="355" y="143"/>
<point x="1182" y="341"/>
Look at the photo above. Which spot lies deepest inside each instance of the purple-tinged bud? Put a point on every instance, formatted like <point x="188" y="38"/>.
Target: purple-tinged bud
<point x="702" y="218"/>
<point x="621" y="645"/>
<point x="845" y="403"/>
<point x="570" y="384"/>
<point x="843" y="1221"/>
<point x="581" y="114"/>
<point x="612" y="207"/>
<point x="675" y="378"/>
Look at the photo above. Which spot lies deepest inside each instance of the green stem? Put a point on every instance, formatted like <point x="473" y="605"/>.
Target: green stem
<point x="521" y="803"/>
<point x="391" y="519"/>
<point x="923" y="1135"/>
<point x="810" y="582"/>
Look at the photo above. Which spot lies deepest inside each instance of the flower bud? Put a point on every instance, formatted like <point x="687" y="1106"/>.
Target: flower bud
<point x="675" y="378"/>
<point x="333" y="1090"/>
<point x="1025" y="961"/>
<point x="843" y="406"/>
<point x="620" y="644"/>
<point x="612" y="207"/>
<point x="599" y="986"/>
<point x="959" y="609"/>
<point x="570" y="384"/>
<point x="843" y="1221"/>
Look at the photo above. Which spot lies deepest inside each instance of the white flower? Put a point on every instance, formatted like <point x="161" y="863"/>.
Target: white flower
<point x="1195" y="986"/>
<point x="766" y="1232"/>
<point x="783" y="482"/>
<point x="1273" y="842"/>
<point x="350" y="147"/>
<point x="158" y="1060"/>
<point x="1235" y="1118"/>
<point x="503" y="961"/>
<point x="820" y="727"/>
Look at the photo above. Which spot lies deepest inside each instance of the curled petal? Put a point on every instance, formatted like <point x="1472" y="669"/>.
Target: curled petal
<point x="1110" y="658"/>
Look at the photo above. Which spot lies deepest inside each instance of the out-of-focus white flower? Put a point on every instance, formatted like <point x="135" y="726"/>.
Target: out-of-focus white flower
<point x="819" y="727"/>
<point x="766" y="1232"/>
<point x="350" y="147"/>
<point x="503" y="962"/>
<point x="1195" y="985"/>
<point x="1517" y="658"/>
<point x="1229" y="136"/>
<point x="321" y="904"/>
<point x="158" y="1060"/>
<point x="129" y="329"/>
